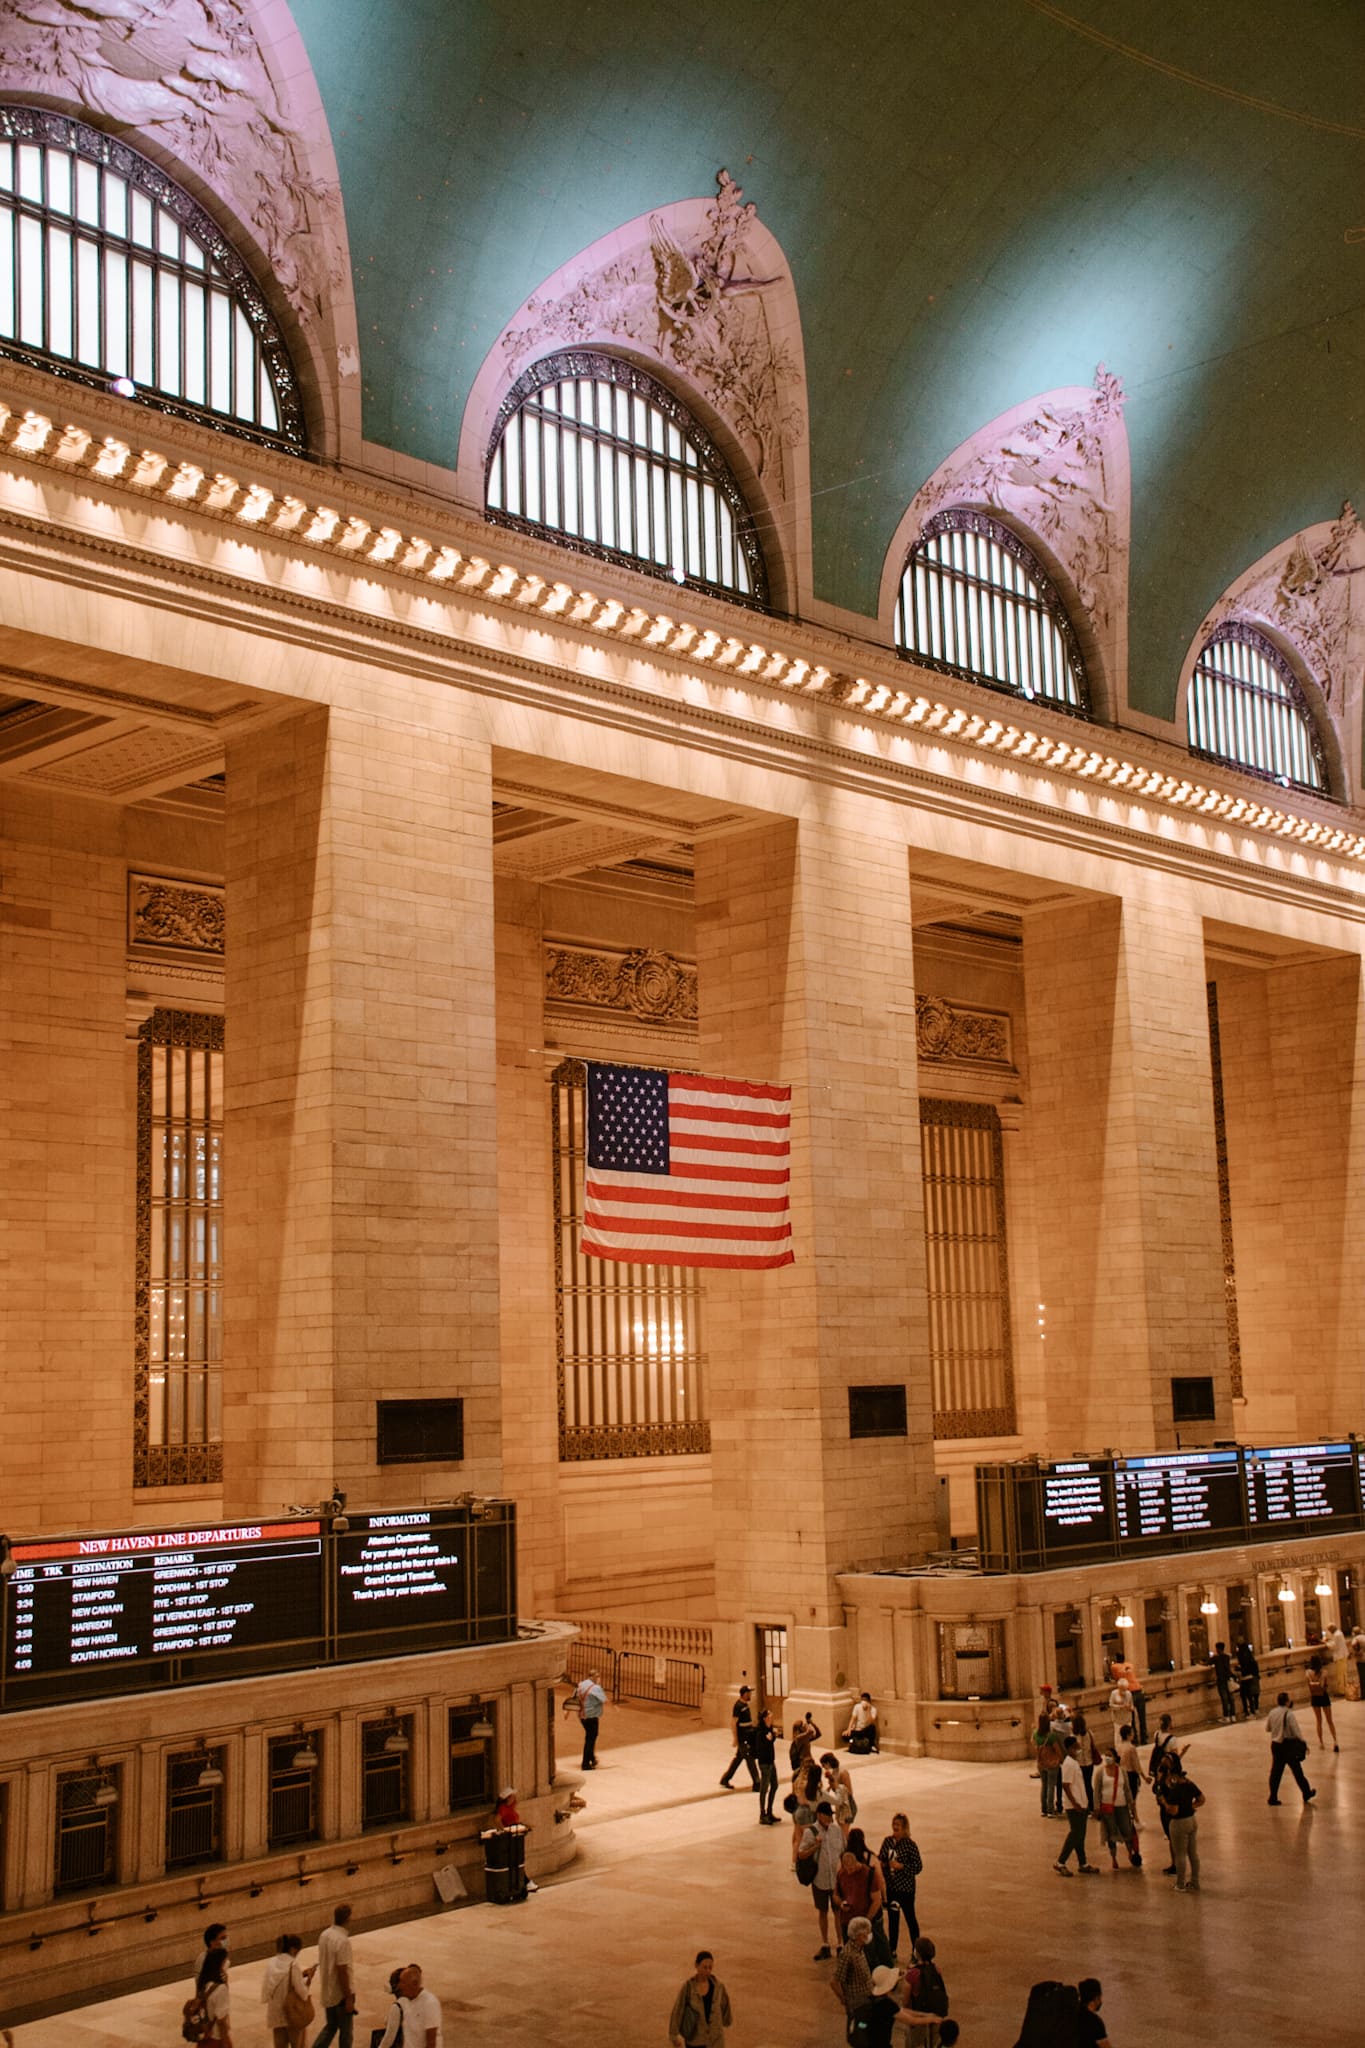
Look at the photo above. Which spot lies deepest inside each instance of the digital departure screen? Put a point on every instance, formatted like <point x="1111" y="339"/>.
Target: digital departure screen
<point x="82" y="1616"/>
<point x="1295" y="1483"/>
<point x="1078" y="1505"/>
<point x="81" y="1604"/>
<point x="1163" y="1499"/>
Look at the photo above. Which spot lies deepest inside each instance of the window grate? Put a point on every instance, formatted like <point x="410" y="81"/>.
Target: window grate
<point x="293" y="1813"/>
<point x="385" y="1777"/>
<point x="108" y="270"/>
<point x="194" y="1812"/>
<point x="968" y="1276"/>
<point x="179" y="1264"/>
<point x="592" y="450"/>
<point x="975" y="602"/>
<point x="86" y="1833"/>
<point x="631" y="1362"/>
<point x="471" y="1758"/>
<point x="1246" y="707"/>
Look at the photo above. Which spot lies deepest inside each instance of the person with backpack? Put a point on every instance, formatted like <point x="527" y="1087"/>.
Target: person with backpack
<point x="926" y="1994"/>
<point x="211" y="1991"/>
<point x="1287" y="1750"/>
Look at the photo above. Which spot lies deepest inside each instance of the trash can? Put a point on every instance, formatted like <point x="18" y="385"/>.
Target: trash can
<point x="497" y="1877"/>
<point x="516" y="1862"/>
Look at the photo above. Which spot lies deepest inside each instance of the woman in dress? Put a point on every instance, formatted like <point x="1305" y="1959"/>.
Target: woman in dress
<point x="1320" y="1700"/>
<point x="901" y="1864"/>
<point x="285" y="1975"/>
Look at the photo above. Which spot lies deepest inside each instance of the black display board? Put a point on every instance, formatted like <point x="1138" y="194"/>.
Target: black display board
<point x="1084" y="1510"/>
<point x="85" y="1616"/>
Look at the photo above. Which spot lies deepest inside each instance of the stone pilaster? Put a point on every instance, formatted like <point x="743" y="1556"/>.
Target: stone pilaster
<point x="1121" y="1107"/>
<point x="806" y="976"/>
<point x="360" y="1114"/>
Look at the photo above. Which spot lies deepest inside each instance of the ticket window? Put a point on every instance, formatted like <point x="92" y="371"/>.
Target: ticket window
<point x="1241" y="1616"/>
<point x="971" y="1660"/>
<point x="1068" y="1634"/>
<point x="1197" y="1625"/>
<point x="1156" y="1633"/>
<point x="1348" y="1584"/>
<point x="1113" y="1639"/>
<point x="1315" y="1612"/>
<point x="1276" y="1621"/>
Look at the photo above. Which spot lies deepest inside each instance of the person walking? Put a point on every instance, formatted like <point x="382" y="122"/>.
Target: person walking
<point x="589" y="1700"/>
<point x="284" y="1993"/>
<point x="901" y="1865"/>
<point x="763" y="1752"/>
<point x="212" y="1988"/>
<point x="416" y="2017"/>
<point x="1220" y="1663"/>
<point x="1287" y="1750"/>
<point x="741" y="1729"/>
<point x="851" y="1978"/>
<point x="825" y="1842"/>
<point x="1050" y="1745"/>
<point x="1320" y="1700"/>
<point x="1248" y="1680"/>
<point x="336" y="1984"/>
<point x="1181" y="1799"/>
<point x="701" y="2011"/>
<point x="1077" y="1809"/>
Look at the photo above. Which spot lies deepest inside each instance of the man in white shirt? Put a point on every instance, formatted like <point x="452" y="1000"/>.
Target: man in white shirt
<point x="336" y="1984"/>
<point x="1287" y="1750"/>
<point x="418" y="2011"/>
<point x="825" y="1841"/>
<point x="1076" y="1807"/>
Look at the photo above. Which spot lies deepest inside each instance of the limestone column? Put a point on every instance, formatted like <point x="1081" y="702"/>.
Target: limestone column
<point x="361" y="1196"/>
<point x="805" y="970"/>
<point x="527" y="1279"/>
<point x="1293" y="1045"/>
<point x="1126" y="1175"/>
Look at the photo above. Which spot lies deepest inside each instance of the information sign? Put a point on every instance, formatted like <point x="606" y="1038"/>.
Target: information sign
<point x="1165" y="1498"/>
<point x="1078" y="1505"/>
<point x="1292" y="1484"/>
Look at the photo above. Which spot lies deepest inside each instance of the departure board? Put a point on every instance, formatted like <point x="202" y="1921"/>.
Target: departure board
<point x="1078" y="1505"/>
<point x="1166" y="1498"/>
<point x="80" y="1605"/>
<point x="1301" y="1483"/>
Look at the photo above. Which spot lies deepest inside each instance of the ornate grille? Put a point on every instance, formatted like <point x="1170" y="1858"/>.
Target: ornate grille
<point x="108" y="270"/>
<point x="631" y="1363"/>
<point x="968" y="1274"/>
<point x="593" y="450"/>
<point x="177" y="1405"/>
<point x="975" y="602"/>
<point x="1246" y="707"/>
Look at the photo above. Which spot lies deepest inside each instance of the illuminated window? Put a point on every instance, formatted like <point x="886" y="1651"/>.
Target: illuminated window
<point x="592" y="450"/>
<point x="975" y="602"/>
<point x="179" y="1268"/>
<point x="1246" y="707"/>
<point x="109" y="271"/>
<point x="964" y="1238"/>
<point x="630" y="1339"/>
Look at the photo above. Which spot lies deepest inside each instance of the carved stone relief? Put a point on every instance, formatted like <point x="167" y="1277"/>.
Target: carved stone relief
<point x="169" y="915"/>
<point x="654" y="987"/>
<point x="1304" y="592"/>
<point x="189" y="75"/>
<point x="691" y="301"/>
<point x="944" y="1031"/>
<point x="1055" y="472"/>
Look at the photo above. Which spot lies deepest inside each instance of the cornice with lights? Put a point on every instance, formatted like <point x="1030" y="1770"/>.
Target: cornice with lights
<point x="306" y="522"/>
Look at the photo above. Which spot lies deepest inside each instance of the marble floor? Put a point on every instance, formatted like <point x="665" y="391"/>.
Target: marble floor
<point x="1268" y="1952"/>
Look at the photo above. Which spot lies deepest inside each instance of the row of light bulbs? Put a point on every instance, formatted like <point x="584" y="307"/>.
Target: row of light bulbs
<point x="1208" y="1605"/>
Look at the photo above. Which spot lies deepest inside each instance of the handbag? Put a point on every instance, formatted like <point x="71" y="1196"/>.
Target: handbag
<point x="806" y="1867"/>
<point x="298" y="2008"/>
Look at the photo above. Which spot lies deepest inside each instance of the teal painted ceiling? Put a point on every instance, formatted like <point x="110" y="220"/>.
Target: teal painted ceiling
<point x="977" y="200"/>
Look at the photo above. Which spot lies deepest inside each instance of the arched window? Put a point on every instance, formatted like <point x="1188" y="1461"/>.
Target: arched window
<point x="593" y="450"/>
<point x="1246" y="707"/>
<point x="974" y="602"/>
<point x="108" y="271"/>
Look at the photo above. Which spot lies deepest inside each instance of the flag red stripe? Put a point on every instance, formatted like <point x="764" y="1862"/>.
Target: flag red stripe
<point x="685" y="1112"/>
<point x="622" y="1225"/>
<point x="693" y="1141"/>
<point x="601" y="1196"/>
<point x="709" y="1084"/>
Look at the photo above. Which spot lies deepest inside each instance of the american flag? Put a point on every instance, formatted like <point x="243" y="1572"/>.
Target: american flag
<point x="686" y="1170"/>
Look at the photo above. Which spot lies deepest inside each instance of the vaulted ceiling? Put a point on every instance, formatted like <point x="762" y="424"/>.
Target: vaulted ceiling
<point x="979" y="200"/>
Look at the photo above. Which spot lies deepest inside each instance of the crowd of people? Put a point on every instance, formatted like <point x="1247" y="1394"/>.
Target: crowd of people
<point x="293" y="1994"/>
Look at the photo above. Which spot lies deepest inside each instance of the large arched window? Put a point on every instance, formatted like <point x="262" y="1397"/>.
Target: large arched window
<point x="1246" y="707"/>
<point x="593" y="450"/>
<point x="974" y="602"/>
<point x="110" y="273"/>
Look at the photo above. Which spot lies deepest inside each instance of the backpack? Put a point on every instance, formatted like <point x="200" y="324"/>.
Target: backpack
<point x="194" y="2019"/>
<point x="1052" y="1755"/>
<point x="930" y="1993"/>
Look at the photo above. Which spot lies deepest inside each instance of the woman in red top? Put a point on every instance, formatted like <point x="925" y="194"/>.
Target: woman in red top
<point x="859" y="1890"/>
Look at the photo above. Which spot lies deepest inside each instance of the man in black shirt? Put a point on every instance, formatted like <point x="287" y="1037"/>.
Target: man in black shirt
<point x="1249" y="1680"/>
<point x="742" y="1723"/>
<point x="1093" y="2030"/>
<point x="763" y="1751"/>
<point x="1222" y="1676"/>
